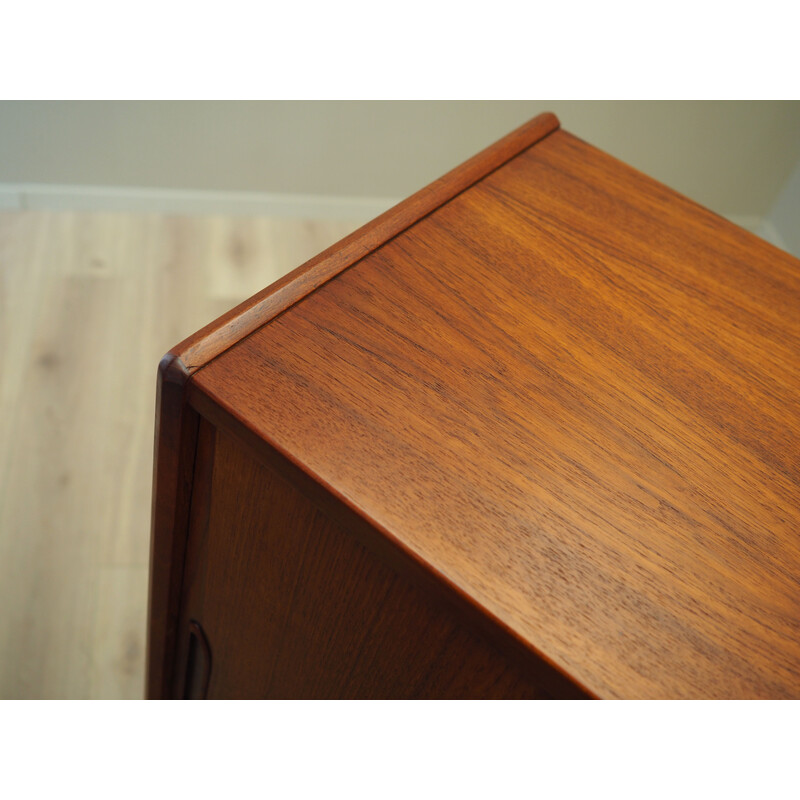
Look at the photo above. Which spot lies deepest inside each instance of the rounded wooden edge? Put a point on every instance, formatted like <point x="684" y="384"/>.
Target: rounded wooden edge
<point x="175" y="435"/>
<point x="199" y="349"/>
<point x="171" y="370"/>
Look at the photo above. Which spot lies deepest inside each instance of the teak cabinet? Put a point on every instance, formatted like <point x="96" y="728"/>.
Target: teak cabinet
<point x="534" y="432"/>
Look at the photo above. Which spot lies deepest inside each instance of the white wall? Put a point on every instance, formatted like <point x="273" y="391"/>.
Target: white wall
<point x="733" y="157"/>
<point x="784" y="216"/>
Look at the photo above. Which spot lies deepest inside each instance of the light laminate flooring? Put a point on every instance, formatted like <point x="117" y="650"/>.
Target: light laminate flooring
<point x="88" y="305"/>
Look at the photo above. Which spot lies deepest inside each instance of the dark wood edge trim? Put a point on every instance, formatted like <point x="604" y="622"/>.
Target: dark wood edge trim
<point x="553" y="678"/>
<point x="212" y="340"/>
<point x="173" y="468"/>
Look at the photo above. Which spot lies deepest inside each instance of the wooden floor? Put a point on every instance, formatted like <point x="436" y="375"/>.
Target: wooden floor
<point x="88" y="304"/>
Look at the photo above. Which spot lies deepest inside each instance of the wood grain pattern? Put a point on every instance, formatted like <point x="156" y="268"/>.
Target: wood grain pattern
<point x="239" y="322"/>
<point x="575" y="396"/>
<point x="294" y="607"/>
<point x="381" y="545"/>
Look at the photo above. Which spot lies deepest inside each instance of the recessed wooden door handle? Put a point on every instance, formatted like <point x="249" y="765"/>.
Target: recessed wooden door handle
<point x="198" y="664"/>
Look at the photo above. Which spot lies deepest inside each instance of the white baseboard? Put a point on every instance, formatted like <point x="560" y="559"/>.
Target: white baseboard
<point x="9" y="197"/>
<point x="47" y="197"/>
<point x="53" y="197"/>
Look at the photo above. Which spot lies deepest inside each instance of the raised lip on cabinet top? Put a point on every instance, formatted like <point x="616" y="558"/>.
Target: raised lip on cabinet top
<point x="197" y="350"/>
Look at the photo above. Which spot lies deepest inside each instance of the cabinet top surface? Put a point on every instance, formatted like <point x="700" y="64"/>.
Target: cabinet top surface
<point x="575" y="395"/>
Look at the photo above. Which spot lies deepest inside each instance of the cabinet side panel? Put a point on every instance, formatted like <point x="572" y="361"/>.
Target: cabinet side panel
<point x="293" y="606"/>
